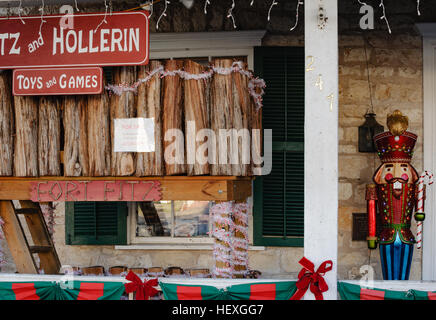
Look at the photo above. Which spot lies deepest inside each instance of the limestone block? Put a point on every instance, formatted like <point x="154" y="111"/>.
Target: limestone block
<point x="345" y="191"/>
<point x="267" y="261"/>
<point x="182" y="259"/>
<point x="205" y="261"/>
<point x="289" y="258"/>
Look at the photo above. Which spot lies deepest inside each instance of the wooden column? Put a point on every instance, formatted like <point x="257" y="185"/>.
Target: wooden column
<point x="6" y="125"/>
<point x="321" y="142"/>
<point x="99" y="135"/>
<point x="49" y="134"/>
<point x="221" y="110"/>
<point x="26" y="138"/>
<point x="149" y="105"/>
<point x="123" y="163"/>
<point x="172" y="118"/>
<point x="196" y="113"/>
<point x="76" y="161"/>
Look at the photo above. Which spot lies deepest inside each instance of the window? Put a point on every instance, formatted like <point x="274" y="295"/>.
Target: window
<point x="279" y="197"/>
<point x="95" y="223"/>
<point x="170" y="222"/>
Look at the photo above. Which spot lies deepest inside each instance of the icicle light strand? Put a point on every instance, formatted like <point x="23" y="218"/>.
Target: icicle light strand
<point x="42" y="18"/>
<point x="417" y="7"/>
<point x="274" y="3"/>
<point x="104" y="18"/>
<point x="77" y="8"/>
<point x="230" y="14"/>
<point x="382" y="5"/>
<point x="206" y="3"/>
<point x="296" y="15"/>
<point x="164" y="14"/>
<point x="20" y="9"/>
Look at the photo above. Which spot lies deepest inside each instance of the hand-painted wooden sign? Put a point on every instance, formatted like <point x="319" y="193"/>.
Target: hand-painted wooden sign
<point x="57" y="81"/>
<point x="122" y="40"/>
<point x="96" y="190"/>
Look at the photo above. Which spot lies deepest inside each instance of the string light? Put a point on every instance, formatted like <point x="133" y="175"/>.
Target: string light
<point x="164" y="14"/>
<point x="77" y="8"/>
<point x="104" y="18"/>
<point x="384" y="15"/>
<point x="251" y="3"/>
<point x="417" y="7"/>
<point x="110" y="6"/>
<point x="20" y="9"/>
<point x="206" y="3"/>
<point x="362" y="3"/>
<point x="274" y="3"/>
<point x="296" y="16"/>
<point x="42" y="18"/>
<point x="230" y="14"/>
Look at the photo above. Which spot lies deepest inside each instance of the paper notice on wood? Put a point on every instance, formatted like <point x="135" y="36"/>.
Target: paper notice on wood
<point x="134" y="135"/>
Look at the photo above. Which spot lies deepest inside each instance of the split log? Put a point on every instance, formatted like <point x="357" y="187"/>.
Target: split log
<point x="257" y="137"/>
<point x="240" y="116"/>
<point x="99" y="135"/>
<point x="121" y="107"/>
<point x="6" y="125"/>
<point x="76" y="161"/>
<point x="49" y="134"/>
<point x="196" y="119"/>
<point x="172" y="119"/>
<point x="149" y="106"/>
<point x="26" y="138"/>
<point x="222" y="106"/>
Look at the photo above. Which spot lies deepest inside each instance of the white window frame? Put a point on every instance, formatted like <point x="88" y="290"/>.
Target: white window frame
<point x="192" y="45"/>
<point x="428" y="30"/>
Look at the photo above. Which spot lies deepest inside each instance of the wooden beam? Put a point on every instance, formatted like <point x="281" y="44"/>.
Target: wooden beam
<point x="200" y="188"/>
<point x="17" y="243"/>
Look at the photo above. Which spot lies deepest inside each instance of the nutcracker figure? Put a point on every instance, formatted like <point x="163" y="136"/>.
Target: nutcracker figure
<point x="395" y="195"/>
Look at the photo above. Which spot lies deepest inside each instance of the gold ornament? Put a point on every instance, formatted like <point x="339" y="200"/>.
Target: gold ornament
<point x="397" y="123"/>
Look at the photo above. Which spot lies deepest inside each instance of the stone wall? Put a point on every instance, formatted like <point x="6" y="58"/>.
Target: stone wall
<point x="395" y="66"/>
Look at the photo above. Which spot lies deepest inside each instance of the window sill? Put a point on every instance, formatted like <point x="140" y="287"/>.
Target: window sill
<point x="166" y="246"/>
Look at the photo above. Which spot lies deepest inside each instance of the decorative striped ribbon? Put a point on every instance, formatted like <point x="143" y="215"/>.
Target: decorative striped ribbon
<point x="420" y="209"/>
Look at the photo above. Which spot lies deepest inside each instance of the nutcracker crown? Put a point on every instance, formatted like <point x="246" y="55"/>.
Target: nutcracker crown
<point x="396" y="145"/>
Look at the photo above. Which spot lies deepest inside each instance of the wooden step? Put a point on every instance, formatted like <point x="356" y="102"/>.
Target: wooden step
<point x="39" y="249"/>
<point x="26" y="211"/>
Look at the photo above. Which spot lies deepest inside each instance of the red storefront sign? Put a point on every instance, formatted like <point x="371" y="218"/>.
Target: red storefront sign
<point x="123" y="40"/>
<point x="57" y="81"/>
<point x="96" y="190"/>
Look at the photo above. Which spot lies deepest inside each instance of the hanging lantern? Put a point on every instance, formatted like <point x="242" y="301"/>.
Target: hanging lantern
<point x="367" y="131"/>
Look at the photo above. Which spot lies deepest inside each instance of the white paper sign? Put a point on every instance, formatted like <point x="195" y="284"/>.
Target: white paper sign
<point x="134" y="135"/>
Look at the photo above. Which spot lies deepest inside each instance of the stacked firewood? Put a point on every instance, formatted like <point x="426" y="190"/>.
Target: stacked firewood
<point x="74" y="135"/>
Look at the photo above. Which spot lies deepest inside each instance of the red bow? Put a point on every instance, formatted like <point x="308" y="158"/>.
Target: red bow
<point x="143" y="290"/>
<point x="308" y="277"/>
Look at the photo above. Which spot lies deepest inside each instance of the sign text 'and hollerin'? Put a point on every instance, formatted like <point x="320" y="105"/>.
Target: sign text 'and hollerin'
<point x="57" y="81"/>
<point x="123" y="40"/>
<point x="95" y="190"/>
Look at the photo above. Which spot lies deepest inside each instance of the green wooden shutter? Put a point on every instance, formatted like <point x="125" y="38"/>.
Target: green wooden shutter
<point x="96" y="223"/>
<point x="279" y="196"/>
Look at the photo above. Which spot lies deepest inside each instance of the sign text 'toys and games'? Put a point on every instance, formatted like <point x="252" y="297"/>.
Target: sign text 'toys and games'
<point x="57" y="81"/>
<point x="123" y="40"/>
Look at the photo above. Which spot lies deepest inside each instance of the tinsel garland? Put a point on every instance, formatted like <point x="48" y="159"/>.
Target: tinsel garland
<point x="234" y="251"/>
<point x="255" y="85"/>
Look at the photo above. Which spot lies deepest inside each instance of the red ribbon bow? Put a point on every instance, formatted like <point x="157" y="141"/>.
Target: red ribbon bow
<point x="144" y="290"/>
<point x="308" y="277"/>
